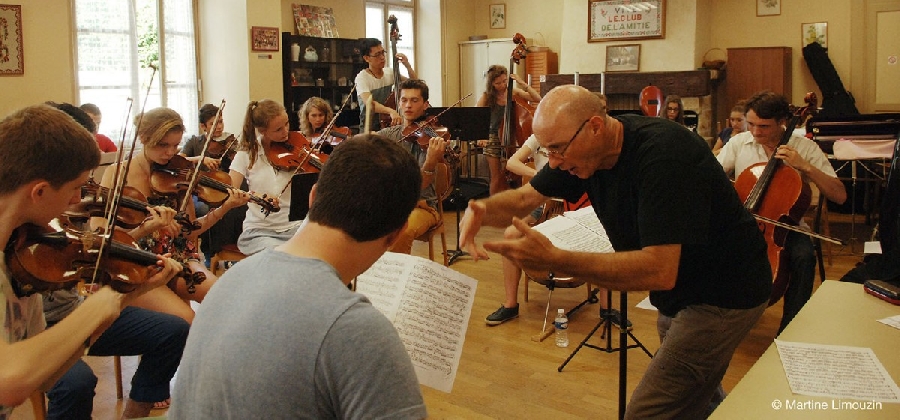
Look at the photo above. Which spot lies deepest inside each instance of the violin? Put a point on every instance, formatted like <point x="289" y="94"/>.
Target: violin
<point x="213" y="187"/>
<point x="131" y="213"/>
<point x="391" y="101"/>
<point x="777" y="193"/>
<point x="222" y="149"/>
<point x="421" y="133"/>
<point x="326" y="143"/>
<point x="42" y="259"/>
<point x="295" y="155"/>
<point x="132" y="209"/>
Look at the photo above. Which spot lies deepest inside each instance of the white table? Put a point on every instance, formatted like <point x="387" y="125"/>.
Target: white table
<point x="837" y="314"/>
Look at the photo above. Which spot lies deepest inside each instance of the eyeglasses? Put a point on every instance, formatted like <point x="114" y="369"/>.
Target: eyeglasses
<point x="562" y="153"/>
<point x="671" y="109"/>
<point x="381" y="53"/>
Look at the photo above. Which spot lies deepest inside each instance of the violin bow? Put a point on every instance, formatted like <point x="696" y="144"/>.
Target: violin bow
<point x="436" y="116"/>
<point x="119" y="185"/>
<point x="195" y="174"/>
<point x="330" y="125"/>
<point x="325" y="133"/>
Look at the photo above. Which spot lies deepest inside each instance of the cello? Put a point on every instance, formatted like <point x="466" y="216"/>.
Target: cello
<point x="392" y="99"/>
<point x="776" y="192"/>
<point x="515" y="127"/>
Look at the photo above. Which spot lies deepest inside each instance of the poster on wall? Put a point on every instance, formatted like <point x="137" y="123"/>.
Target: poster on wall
<point x="625" y="19"/>
<point x="12" y="61"/>
<point x="314" y="21"/>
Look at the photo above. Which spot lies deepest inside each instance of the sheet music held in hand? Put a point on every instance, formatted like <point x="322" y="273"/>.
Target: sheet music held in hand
<point x="577" y="230"/>
<point x="429" y="305"/>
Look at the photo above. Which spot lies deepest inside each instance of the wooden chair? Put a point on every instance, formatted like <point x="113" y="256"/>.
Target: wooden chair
<point x="39" y="405"/>
<point x="229" y="252"/>
<point x="442" y="188"/>
<point x="39" y="398"/>
<point x="818" y="213"/>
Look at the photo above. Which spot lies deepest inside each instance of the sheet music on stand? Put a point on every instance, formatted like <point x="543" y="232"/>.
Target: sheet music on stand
<point x="429" y="305"/>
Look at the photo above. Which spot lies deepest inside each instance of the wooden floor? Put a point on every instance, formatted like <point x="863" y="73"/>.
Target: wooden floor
<point x="504" y="374"/>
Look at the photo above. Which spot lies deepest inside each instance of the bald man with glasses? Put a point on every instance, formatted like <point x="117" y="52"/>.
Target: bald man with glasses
<point x="678" y="228"/>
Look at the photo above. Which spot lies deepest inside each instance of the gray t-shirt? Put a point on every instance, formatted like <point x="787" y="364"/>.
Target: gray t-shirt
<point x="281" y="336"/>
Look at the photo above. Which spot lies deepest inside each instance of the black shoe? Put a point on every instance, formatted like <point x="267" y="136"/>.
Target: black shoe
<point x="502" y="315"/>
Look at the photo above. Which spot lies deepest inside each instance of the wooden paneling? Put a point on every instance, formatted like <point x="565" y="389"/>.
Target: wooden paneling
<point x="751" y="70"/>
<point x="682" y="83"/>
<point x="540" y="63"/>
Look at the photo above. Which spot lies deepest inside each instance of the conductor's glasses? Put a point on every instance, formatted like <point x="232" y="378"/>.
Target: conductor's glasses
<point x="561" y="153"/>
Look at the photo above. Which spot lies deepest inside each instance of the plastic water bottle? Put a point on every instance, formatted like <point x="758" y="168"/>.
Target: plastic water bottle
<point x="561" y="323"/>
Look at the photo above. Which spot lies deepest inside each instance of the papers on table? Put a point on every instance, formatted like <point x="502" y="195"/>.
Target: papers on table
<point x="836" y="371"/>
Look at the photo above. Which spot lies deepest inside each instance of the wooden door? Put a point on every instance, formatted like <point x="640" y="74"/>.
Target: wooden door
<point x="751" y="70"/>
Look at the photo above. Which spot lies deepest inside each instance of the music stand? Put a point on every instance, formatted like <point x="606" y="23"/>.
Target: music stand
<point x="607" y="318"/>
<point x="301" y="185"/>
<point x="467" y="124"/>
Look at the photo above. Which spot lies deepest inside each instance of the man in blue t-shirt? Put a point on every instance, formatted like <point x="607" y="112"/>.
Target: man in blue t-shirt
<point x="676" y="223"/>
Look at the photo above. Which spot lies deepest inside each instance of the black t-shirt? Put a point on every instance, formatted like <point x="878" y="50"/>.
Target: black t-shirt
<point x="668" y="188"/>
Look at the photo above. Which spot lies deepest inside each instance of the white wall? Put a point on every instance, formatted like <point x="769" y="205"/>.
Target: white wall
<point x="224" y="68"/>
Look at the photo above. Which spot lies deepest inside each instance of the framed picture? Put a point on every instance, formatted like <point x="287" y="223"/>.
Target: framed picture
<point x="768" y="7"/>
<point x="814" y="32"/>
<point x="12" y="61"/>
<point x="263" y="38"/>
<point x="623" y="57"/>
<point x="625" y="19"/>
<point x="498" y="16"/>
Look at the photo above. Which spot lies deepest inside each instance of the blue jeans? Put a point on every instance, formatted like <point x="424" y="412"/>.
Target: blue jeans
<point x="158" y="338"/>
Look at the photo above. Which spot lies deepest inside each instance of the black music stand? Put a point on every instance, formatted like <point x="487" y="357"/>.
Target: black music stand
<point x="467" y="124"/>
<point x="301" y="185"/>
<point x="609" y="317"/>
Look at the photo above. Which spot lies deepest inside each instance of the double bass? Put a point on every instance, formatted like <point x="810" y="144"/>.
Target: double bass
<point x="775" y="192"/>
<point x="392" y="100"/>
<point x="515" y="127"/>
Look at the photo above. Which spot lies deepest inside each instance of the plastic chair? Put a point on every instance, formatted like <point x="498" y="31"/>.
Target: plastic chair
<point x="442" y="188"/>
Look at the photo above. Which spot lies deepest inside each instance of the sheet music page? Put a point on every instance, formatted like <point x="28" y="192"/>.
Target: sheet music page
<point x="578" y="230"/>
<point x="429" y="305"/>
<point x="893" y="321"/>
<point x="836" y="371"/>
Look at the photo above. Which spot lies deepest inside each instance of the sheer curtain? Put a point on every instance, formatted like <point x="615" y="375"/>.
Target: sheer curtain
<point x="115" y="42"/>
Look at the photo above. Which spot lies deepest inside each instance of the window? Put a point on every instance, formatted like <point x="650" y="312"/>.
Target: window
<point x="116" y="41"/>
<point x="377" y="13"/>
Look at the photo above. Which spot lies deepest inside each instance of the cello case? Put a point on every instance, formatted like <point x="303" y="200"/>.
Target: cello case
<point x="651" y="101"/>
<point x="835" y="99"/>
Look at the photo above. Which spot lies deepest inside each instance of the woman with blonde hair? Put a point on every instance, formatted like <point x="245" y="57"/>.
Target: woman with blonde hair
<point x="265" y="123"/>
<point x="160" y="131"/>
